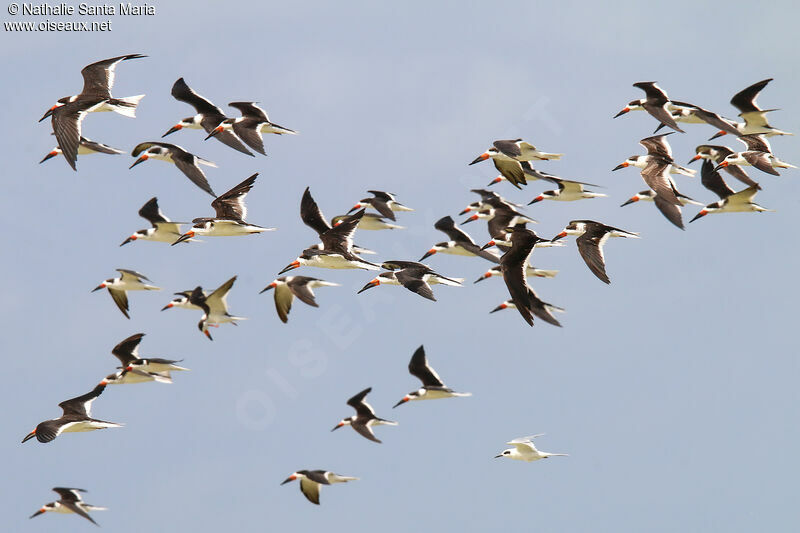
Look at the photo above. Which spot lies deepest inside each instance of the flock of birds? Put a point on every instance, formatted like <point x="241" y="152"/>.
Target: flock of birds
<point x="506" y="224"/>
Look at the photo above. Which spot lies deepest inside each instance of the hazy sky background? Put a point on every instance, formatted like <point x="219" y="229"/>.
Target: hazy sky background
<point x="674" y="389"/>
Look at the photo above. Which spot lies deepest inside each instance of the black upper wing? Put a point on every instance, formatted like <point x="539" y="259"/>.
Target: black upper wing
<point x="126" y="350"/>
<point x="151" y="212"/>
<point x="98" y="78"/>
<point x="418" y="367"/>
<point x="181" y="91"/>
<point x="82" y="405"/>
<point x="230" y="205"/>
<point x="312" y="215"/>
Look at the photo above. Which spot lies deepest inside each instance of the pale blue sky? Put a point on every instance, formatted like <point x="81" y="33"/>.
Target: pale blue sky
<point x="674" y="389"/>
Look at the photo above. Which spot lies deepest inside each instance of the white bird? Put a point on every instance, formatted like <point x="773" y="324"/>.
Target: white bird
<point x="525" y="450"/>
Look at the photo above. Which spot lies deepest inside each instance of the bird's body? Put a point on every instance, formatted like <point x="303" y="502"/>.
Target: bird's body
<point x="365" y="418"/>
<point x="592" y="236"/>
<point x="127" y="353"/>
<point x="384" y="203"/>
<point x="186" y="162"/>
<point x="513" y="266"/>
<point x="525" y="450"/>
<point x="369" y="222"/>
<point x="311" y="480"/>
<point x="70" y="501"/>
<point x="758" y="154"/>
<point x="459" y="244"/>
<point x="208" y="117"/>
<point x="568" y="191"/>
<point x="214" y="307"/>
<point x="68" y="113"/>
<point x="336" y="248"/>
<point x="716" y="154"/>
<point x="656" y="103"/>
<point x="755" y="118"/>
<point x="76" y="417"/>
<point x="729" y="201"/>
<point x="250" y="126"/>
<point x="129" y="280"/>
<point x="530" y="271"/>
<point x="85" y="147"/>
<point x="288" y="287"/>
<point x="414" y="276"/>
<point x="433" y="388"/>
<point x="230" y="212"/>
<point x="162" y="230"/>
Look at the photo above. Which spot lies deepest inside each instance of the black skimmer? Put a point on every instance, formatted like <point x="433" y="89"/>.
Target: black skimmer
<point x="207" y="118"/>
<point x="433" y="388"/>
<point x="369" y="222"/>
<point x="382" y="202"/>
<point x="249" y="127"/>
<point x="311" y="215"/>
<point x="525" y="450"/>
<point x="499" y="216"/>
<point x="68" y="113"/>
<point x="163" y="230"/>
<point x="656" y="176"/>
<point x="717" y="154"/>
<point x="591" y="238"/>
<point x="530" y="271"/>
<point x="516" y="172"/>
<point x="506" y="243"/>
<point x="98" y="80"/>
<point x="568" y="191"/>
<point x="459" y="244"/>
<point x="186" y="162"/>
<point x="692" y="114"/>
<point x="127" y="352"/>
<point x="649" y="195"/>
<point x="310" y="481"/>
<point x="508" y="304"/>
<point x="513" y="266"/>
<point x="414" y="276"/>
<point x="541" y="309"/>
<point x="231" y="211"/>
<point x="335" y="250"/>
<point x="730" y="201"/>
<point x="656" y="102"/>
<point x="85" y="147"/>
<point x="364" y="418"/>
<point x="70" y="501"/>
<point x="658" y="149"/>
<point x="755" y="118"/>
<point x="515" y="150"/>
<point x="287" y="287"/>
<point x="488" y="199"/>
<point x="758" y="155"/>
<point x="128" y="280"/>
<point x="214" y="307"/>
<point x="182" y="301"/>
<point x="77" y="417"/>
<point x="127" y="377"/>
